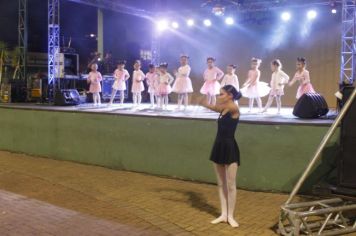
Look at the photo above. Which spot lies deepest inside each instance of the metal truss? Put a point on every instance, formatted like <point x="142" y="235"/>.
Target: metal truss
<point x="53" y="47"/>
<point x="22" y="40"/>
<point x="324" y="217"/>
<point x="348" y="48"/>
<point x="116" y="6"/>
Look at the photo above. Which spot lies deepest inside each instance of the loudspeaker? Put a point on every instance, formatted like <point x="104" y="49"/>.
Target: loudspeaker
<point x="66" y="97"/>
<point x="347" y="160"/>
<point x="310" y="105"/>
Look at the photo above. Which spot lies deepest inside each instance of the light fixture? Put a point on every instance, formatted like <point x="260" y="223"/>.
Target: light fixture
<point x="190" y="22"/>
<point x="286" y="16"/>
<point x="229" y="21"/>
<point x="312" y="14"/>
<point x="207" y="22"/>
<point x="175" y="25"/>
<point x="162" y="25"/>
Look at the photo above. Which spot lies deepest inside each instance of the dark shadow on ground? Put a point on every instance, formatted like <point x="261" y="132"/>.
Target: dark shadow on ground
<point x="195" y="199"/>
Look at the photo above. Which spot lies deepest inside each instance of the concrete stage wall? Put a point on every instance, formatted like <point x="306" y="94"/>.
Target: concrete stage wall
<point x="272" y="156"/>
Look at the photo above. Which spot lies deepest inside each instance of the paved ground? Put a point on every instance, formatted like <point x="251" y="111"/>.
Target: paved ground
<point x="46" y="197"/>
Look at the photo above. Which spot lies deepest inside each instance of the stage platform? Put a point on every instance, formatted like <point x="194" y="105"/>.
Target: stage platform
<point x="275" y="149"/>
<point x="192" y="112"/>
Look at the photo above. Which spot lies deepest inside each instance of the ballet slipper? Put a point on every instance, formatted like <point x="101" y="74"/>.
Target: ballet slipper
<point x="220" y="219"/>
<point x="232" y="222"/>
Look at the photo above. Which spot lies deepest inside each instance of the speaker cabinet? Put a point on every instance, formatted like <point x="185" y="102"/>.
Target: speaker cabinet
<point x="347" y="159"/>
<point x="67" y="97"/>
<point x="310" y="105"/>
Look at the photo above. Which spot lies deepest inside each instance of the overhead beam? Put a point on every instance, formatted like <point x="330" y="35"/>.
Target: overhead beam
<point x="115" y="6"/>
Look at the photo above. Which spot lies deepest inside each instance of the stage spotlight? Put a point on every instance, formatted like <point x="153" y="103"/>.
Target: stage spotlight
<point x="162" y="25"/>
<point x="312" y="14"/>
<point x="190" y="22"/>
<point x="175" y="25"/>
<point x="286" y="16"/>
<point x="333" y="11"/>
<point x="229" y="21"/>
<point x="92" y="35"/>
<point x="207" y="23"/>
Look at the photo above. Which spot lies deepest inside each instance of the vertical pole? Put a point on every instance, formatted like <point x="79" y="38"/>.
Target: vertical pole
<point x="100" y="37"/>
<point x="22" y="39"/>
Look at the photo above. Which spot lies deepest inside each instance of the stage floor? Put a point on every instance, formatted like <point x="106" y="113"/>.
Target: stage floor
<point x="192" y="112"/>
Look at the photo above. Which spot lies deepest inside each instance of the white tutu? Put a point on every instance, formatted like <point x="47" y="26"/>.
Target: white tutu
<point x="257" y="91"/>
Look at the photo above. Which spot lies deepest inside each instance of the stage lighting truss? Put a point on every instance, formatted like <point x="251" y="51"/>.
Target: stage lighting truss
<point x="53" y="47"/>
<point x="348" y="48"/>
<point x="22" y="40"/>
<point x="323" y="217"/>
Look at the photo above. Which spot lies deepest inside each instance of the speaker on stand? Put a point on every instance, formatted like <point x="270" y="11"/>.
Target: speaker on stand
<point x="346" y="168"/>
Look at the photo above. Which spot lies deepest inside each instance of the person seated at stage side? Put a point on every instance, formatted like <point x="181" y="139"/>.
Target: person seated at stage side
<point x="94" y="80"/>
<point x="183" y="84"/>
<point x="121" y="75"/>
<point x="151" y="79"/>
<point x="303" y="77"/>
<point x="137" y="84"/>
<point x="164" y="87"/>
<point x="225" y="153"/>
<point x="211" y="85"/>
<point x="253" y="88"/>
<point x="278" y="80"/>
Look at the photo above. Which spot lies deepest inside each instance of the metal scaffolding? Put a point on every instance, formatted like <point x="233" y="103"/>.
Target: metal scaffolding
<point x="22" y="40"/>
<point x="53" y="47"/>
<point x="348" y="48"/>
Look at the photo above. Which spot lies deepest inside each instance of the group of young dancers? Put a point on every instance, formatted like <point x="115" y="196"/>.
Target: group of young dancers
<point x="161" y="83"/>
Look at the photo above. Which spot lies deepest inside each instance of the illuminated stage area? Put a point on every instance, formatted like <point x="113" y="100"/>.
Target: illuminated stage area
<point x="274" y="149"/>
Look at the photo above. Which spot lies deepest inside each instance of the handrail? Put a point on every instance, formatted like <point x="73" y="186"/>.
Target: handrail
<point x="321" y="147"/>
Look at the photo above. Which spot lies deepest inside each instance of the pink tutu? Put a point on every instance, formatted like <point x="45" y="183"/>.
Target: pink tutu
<point x="182" y="85"/>
<point x="164" y="89"/>
<point x="211" y="87"/>
<point x="305" y="88"/>
<point x="257" y="91"/>
<point x="137" y="87"/>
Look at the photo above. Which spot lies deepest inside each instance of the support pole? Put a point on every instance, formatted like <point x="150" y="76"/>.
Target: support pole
<point x="22" y="40"/>
<point x="100" y="37"/>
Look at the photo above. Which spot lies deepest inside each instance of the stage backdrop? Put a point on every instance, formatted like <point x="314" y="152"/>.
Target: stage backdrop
<point x="319" y="41"/>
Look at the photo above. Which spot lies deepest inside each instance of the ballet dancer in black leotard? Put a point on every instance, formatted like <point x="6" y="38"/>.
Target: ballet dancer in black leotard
<point x="225" y="153"/>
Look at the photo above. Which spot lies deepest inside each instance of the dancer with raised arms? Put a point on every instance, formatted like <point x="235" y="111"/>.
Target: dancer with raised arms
<point x="225" y="153"/>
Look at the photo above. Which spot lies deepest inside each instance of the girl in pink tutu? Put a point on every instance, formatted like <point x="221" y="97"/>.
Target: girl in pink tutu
<point x="137" y="83"/>
<point x="302" y="75"/>
<point x="253" y="88"/>
<point x="211" y="85"/>
<point x="230" y="78"/>
<point x="164" y="87"/>
<point x="121" y="75"/>
<point x="183" y="85"/>
<point x="151" y="80"/>
<point x="94" y="80"/>
<point x="278" y="80"/>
